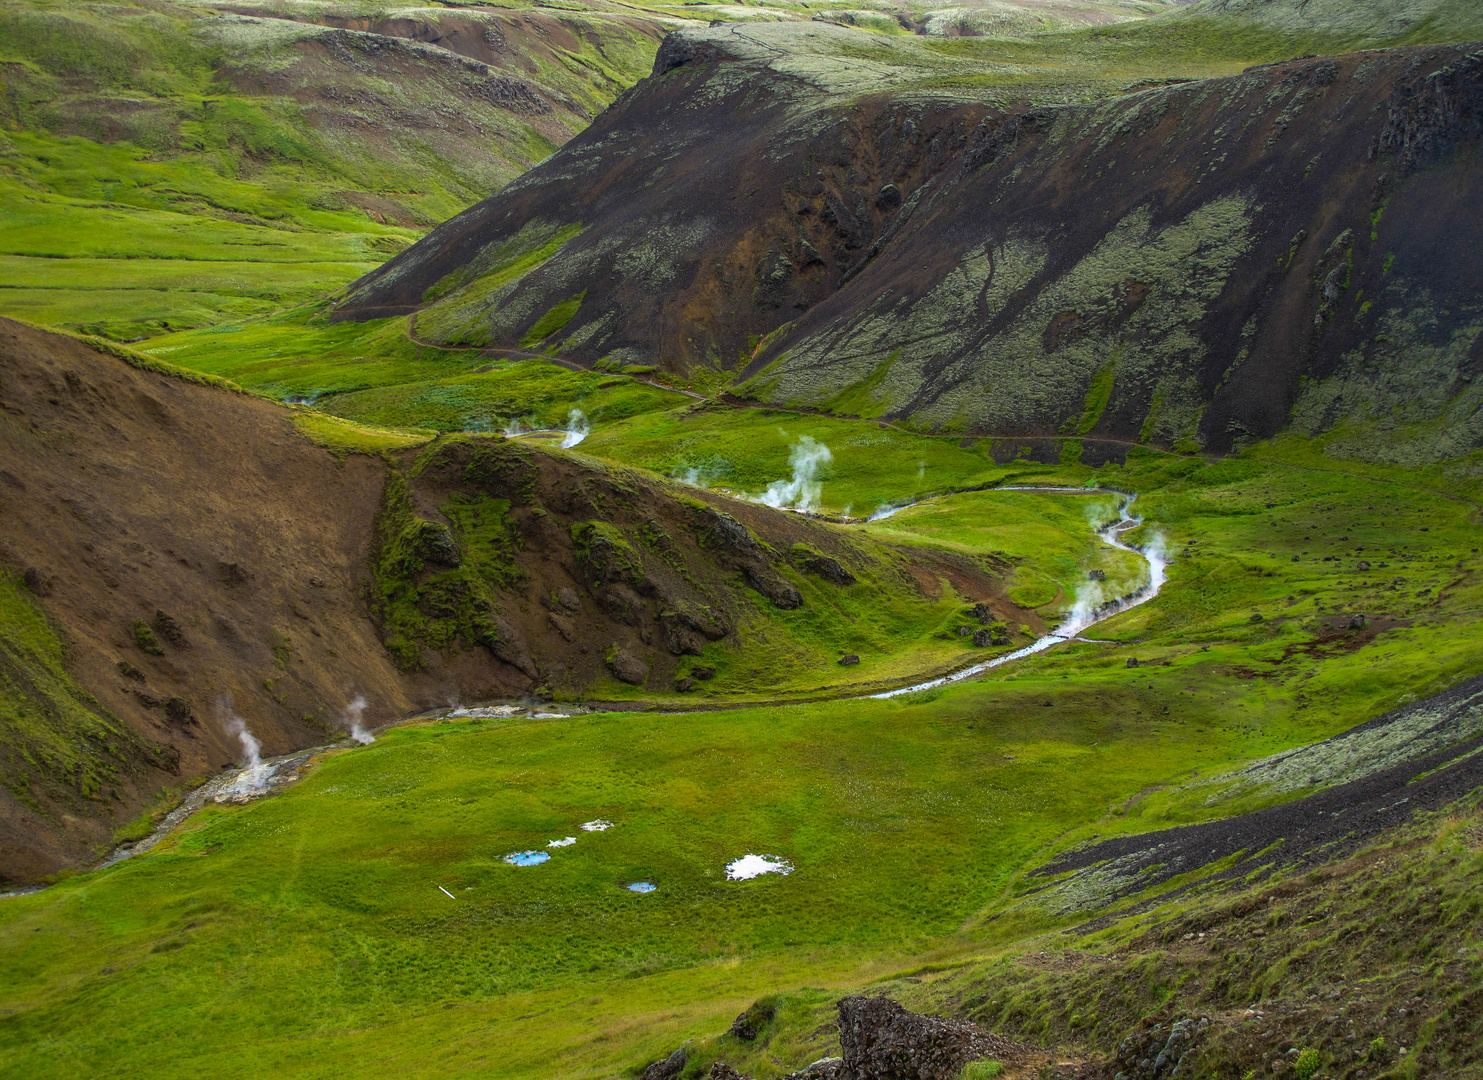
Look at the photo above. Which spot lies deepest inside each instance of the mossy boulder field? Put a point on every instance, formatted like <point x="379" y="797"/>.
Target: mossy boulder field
<point x="834" y="541"/>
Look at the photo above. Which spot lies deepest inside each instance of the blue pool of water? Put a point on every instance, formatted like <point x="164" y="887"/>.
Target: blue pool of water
<point x="642" y="886"/>
<point x="527" y="858"/>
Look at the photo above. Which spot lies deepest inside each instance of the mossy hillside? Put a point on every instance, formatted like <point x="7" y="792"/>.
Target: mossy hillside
<point x="929" y="808"/>
<point x="436" y="582"/>
<point x="62" y="751"/>
<point x="1304" y="967"/>
<point x="939" y="802"/>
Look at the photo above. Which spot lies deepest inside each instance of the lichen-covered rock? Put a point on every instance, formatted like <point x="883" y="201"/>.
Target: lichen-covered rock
<point x="1157" y="1053"/>
<point x="831" y="570"/>
<point x="669" y="1067"/>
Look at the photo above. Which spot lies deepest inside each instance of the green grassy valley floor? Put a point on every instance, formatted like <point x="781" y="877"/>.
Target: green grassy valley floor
<point x="306" y="932"/>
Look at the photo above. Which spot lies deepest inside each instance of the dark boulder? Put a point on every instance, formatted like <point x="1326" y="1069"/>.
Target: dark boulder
<point x="667" y="1068"/>
<point x="848" y="660"/>
<point x="703" y="673"/>
<point x="983" y="613"/>
<point x="1132" y="662"/>
<point x="882" y="1041"/>
<point x="684" y="684"/>
<point x="628" y="668"/>
<point x="432" y="542"/>
<point x="831" y="570"/>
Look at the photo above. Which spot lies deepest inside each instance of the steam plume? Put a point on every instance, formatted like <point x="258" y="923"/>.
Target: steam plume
<point x="803" y="491"/>
<point x="354" y="718"/>
<point x="254" y="772"/>
<point x="576" y="428"/>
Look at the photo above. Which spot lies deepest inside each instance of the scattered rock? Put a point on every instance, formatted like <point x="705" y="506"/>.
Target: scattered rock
<point x="722" y="1071"/>
<point x="567" y="600"/>
<point x="1363" y="565"/>
<point x="38" y="585"/>
<point x="628" y="668"/>
<point x="170" y="630"/>
<point x="1357" y="622"/>
<point x="982" y="639"/>
<point x="1132" y="662"/>
<point x="983" y="613"/>
<point x="668" y="1068"/>
<point x="703" y="673"/>
<point x="848" y="660"/>
<point x="684" y="684"/>
<point x="749" y="1024"/>
<point x="178" y="712"/>
<point x="965" y="631"/>
<point x="831" y="570"/>
<point x="1257" y="617"/>
<point x="1096" y="575"/>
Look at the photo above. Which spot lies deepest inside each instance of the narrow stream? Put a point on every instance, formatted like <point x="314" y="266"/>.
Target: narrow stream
<point x="1087" y="612"/>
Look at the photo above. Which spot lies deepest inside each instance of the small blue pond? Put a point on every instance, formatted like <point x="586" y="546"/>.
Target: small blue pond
<point x="527" y="858"/>
<point x="642" y="886"/>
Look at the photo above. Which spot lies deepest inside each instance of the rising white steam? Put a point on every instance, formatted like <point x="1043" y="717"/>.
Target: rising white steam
<point x="255" y="772"/>
<point x="576" y="428"/>
<point x="802" y="492"/>
<point x="354" y="717"/>
<point x="1094" y="602"/>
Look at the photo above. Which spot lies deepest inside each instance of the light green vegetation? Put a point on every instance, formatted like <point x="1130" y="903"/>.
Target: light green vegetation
<point x="744" y="450"/>
<point x="131" y="135"/>
<point x="375" y="373"/>
<point x="1048" y="536"/>
<point x="348" y="437"/>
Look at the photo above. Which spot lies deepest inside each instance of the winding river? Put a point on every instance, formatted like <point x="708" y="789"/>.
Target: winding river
<point x="1090" y="607"/>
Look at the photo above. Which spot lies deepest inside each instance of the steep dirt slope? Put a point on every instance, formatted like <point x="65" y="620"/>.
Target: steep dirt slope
<point x="1192" y="265"/>
<point x="188" y="545"/>
<point x="170" y="550"/>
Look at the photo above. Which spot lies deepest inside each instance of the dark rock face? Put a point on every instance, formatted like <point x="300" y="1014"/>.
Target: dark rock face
<point x="882" y="1041"/>
<point x="831" y="570"/>
<point x="849" y="660"/>
<point x="1158" y="1052"/>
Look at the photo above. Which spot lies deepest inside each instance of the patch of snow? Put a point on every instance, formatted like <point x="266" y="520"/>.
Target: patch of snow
<point x="597" y="825"/>
<point x="564" y="842"/>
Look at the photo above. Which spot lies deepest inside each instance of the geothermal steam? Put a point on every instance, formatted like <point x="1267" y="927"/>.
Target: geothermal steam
<point x="576" y="428"/>
<point x="255" y="773"/>
<point x="808" y="457"/>
<point x="354" y="717"/>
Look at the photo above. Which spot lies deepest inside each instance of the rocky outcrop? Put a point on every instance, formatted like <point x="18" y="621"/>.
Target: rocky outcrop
<point x="880" y="1040"/>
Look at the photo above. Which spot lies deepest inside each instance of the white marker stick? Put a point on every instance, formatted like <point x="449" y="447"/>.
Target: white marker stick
<point x="446" y="893"/>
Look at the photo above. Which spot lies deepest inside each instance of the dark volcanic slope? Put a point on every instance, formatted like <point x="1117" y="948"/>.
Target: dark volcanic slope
<point x="1416" y="758"/>
<point x="1198" y="264"/>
